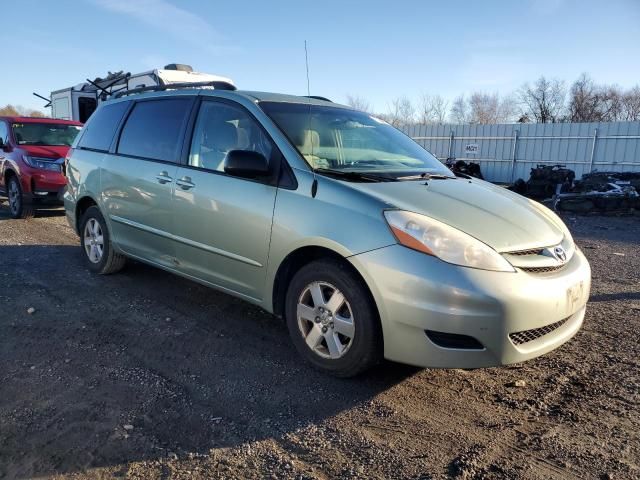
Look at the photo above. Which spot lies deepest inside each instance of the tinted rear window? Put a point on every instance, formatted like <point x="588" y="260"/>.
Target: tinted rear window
<point x="153" y="129"/>
<point x="99" y="131"/>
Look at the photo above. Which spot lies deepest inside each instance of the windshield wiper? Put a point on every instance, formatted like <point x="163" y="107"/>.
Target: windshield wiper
<point x="351" y="175"/>
<point x="426" y="176"/>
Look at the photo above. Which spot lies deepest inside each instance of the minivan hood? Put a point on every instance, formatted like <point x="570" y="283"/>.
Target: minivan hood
<point x="45" y="151"/>
<point x="494" y="215"/>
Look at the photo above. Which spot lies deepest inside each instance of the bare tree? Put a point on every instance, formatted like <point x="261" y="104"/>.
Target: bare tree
<point x="432" y="109"/>
<point x="483" y="109"/>
<point x="460" y="110"/>
<point x="611" y="103"/>
<point x="631" y="104"/>
<point x="589" y="102"/>
<point x="583" y="101"/>
<point x="401" y="112"/>
<point x="358" y="103"/>
<point x="508" y="110"/>
<point x="544" y="100"/>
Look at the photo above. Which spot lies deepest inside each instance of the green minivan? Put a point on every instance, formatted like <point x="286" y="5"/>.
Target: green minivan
<point x="364" y="242"/>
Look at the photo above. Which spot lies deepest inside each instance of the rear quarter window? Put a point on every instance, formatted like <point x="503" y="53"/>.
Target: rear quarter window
<point x="99" y="131"/>
<point x="154" y="129"/>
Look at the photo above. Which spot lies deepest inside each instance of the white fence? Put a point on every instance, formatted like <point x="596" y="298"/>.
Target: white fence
<point x="508" y="152"/>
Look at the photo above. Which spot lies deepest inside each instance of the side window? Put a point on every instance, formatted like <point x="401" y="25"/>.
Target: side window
<point x="98" y="132"/>
<point x="220" y="128"/>
<point x="4" y="132"/>
<point x="154" y="129"/>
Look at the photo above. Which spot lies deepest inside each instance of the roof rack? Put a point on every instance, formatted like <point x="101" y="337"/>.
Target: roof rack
<point x="318" y="97"/>
<point x="216" y="84"/>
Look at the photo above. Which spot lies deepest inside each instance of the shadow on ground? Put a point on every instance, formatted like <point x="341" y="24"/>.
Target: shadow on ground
<point x="41" y="212"/>
<point x="185" y="368"/>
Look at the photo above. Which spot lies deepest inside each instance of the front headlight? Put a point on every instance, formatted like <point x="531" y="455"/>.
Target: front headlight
<point x="449" y="244"/>
<point x="42" y="163"/>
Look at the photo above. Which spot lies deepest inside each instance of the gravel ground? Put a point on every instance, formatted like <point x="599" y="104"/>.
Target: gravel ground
<point x="145" y="375"/>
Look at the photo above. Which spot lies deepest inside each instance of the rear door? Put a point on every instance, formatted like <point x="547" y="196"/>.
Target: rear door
<point x="223" y="223"/>
<point x="138" y="178"/>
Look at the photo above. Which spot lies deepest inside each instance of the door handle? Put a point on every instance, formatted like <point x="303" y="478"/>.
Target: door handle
<point x="185" y="183"/>
<point x="163" y="177"/>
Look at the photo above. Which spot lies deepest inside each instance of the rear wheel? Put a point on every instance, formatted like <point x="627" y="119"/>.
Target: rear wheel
<point x="17" y="206"/>
<point x="96" y="245"/>
<point x="332" y="319"/>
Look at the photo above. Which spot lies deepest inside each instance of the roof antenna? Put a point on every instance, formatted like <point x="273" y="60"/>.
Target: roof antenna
<point x="306" y="61"/>
<point x="314" y="184"/>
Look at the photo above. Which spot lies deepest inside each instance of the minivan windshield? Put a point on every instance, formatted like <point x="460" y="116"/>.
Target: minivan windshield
<point x="52" y="134"/>
<point x="340" y="139"/>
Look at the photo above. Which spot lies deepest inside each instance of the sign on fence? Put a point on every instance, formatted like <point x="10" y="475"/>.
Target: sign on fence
<point x="471" y="148"/>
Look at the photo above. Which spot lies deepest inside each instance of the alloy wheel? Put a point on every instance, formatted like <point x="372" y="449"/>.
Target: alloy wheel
<point x="93" y="240"/>
<point x="325" y="320"/>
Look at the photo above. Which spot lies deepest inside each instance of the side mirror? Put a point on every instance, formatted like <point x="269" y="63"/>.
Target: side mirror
<point x="246" y="164"/>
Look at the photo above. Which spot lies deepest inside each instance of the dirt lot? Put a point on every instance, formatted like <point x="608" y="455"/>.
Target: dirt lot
<point x="145" y="375"/>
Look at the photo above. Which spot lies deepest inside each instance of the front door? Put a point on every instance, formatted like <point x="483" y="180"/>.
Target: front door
<point x="223" y="223"/>
<point x="4" y="137"/>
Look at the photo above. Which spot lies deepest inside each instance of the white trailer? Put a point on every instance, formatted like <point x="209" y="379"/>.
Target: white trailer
<point x="73" y="103"/>
<point x="79" y="102"/>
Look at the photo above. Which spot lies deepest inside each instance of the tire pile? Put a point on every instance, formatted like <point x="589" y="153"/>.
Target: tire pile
<point x="612" y="192"/>
<point x="596" y="192"/>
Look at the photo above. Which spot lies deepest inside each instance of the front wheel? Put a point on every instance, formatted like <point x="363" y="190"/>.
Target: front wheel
<point x="332" y="319"/>
<point x="96" y="245"/>
<point x="17" y="206"/>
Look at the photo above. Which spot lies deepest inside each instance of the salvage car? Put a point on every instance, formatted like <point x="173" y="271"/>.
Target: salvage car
<point x="32" y="152"/>
<point x="330" y="218"/>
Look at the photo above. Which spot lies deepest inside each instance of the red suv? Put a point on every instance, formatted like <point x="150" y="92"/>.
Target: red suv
<point x="32" y="152"/>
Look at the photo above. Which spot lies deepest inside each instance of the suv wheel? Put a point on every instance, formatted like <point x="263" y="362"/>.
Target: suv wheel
<point x="332" y="319"/>
<point x="17" y="206"/>
<point x="96" y="244"/>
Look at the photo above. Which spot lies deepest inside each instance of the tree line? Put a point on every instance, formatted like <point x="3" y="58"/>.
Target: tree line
<point x="18" y="111"/>
<point x="546" y="100"/>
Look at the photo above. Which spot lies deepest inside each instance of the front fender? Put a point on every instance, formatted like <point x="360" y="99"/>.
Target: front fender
<point x="338" y="218"/>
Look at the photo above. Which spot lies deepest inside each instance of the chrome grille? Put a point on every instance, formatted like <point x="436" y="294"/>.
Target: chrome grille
<point x="525" y="336"/>
<point x="541" y="260"/>
<point x="536" y="251"/>
<point x="554" y="268"/>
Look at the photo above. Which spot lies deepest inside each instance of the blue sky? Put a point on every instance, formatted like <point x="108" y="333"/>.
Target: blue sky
<point x="378" y="50"/>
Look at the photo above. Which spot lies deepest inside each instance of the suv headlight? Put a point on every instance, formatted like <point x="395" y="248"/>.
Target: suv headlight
<point x="449" y="244"/>
<point x="42" y="163"/>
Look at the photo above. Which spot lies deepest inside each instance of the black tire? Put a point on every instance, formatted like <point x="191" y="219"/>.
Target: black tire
<point x="365" y="348"/>
<point x="109" y="261"/>
<point x="17" y="206"/>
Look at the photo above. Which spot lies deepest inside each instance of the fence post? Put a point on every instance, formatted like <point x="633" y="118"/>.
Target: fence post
<point x="593" y="149"/>
<point x="513" y="154"/>
<point x="450" y="145"/>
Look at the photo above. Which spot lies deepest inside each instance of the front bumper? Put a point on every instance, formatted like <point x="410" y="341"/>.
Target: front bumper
<point x="415" y="292"/>
<point x="41" y="187"/>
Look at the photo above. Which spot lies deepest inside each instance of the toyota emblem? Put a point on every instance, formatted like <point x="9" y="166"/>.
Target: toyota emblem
<point x="560" y="254"/>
